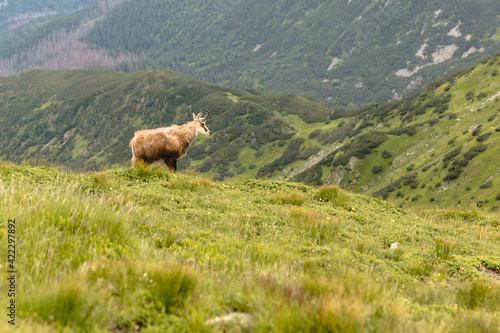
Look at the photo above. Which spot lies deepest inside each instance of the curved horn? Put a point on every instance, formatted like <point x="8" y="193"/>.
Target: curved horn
<point x="208" y="114"/>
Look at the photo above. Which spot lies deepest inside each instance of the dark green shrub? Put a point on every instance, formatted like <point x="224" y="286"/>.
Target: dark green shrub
<point x="433" y="122"/>
<point x="198" y="152"/>
<point x="452" y="140"/>
<point x="308" y="152"/>
<point x="461" y="162"/>
<point x="482" y="95"/>
<point x="410" y="130"/>
<point x="477" y="130"/>
<point x="361" y="147"/>
<point x="453" y="174"/>
<point x="410" y="180"/>
<point x="486" y="185"/>
<point x="311" y="176"/>
<point x="439" y="109"/>
<point x="469" y="155"/>
<point x="205" y="166"/>
<point x="452" y="154"/>
<point x="483" y="137"/>
<point x="386" y="154"/>
<point x="469" y="95"/>
<point x="433" y="102"/>
<point x="376" y="169"/>
<point x="382" y="193"/>
<point x="374" y="139"/>
<point x="314" y="133"/>
<point x="410" y="167"/>
<point x="447" y="99"/>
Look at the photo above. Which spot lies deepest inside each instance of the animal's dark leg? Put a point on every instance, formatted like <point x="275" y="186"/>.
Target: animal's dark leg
<point x="171" y="164"/>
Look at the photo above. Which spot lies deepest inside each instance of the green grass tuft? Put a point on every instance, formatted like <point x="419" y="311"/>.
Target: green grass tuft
<point x="333" y="194"/>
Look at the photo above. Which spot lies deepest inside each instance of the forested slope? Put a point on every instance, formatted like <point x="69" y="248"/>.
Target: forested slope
<point x="438" y="145"/>
<point x="340" y="52"/>
<point x="343" y="53"/>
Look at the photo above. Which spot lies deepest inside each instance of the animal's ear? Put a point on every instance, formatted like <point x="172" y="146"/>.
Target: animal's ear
<point x="194" y="117"/>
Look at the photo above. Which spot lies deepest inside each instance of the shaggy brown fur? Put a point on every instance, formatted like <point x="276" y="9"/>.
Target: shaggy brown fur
<point x="167" y="143"/>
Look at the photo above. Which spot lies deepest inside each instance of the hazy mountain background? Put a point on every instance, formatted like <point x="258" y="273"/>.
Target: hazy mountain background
<point x="343" y="53"/>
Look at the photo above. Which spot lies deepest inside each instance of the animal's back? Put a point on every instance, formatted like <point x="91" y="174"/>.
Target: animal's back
<point x="150" y="145"/>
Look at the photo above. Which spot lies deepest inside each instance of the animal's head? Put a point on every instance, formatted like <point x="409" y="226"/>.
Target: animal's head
<point x="199" y="123"/>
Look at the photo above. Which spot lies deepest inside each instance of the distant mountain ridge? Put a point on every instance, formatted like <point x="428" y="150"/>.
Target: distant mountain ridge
<point x="440" y="145"/>
<point x="343" y="53"/>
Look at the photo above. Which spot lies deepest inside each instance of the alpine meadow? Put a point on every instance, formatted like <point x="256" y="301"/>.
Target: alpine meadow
<point x="346" y="177"/>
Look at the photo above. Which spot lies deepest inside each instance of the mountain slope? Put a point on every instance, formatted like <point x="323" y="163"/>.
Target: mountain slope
<point x="85" y="118"/>
<point x="428" y="147"/>
<point x="47" y="35"/>
<point x="440" y="145"/>
<point x="134" y="249"/>
<point x="343" y="53"/>
<point x="24" y="22"/>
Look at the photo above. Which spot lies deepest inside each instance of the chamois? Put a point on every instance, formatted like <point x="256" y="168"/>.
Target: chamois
<point x="167" y="143"/>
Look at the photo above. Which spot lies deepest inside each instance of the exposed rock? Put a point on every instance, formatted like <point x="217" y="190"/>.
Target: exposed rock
<point x="455" y="32"/>
<point x="244" y="320"/>
<point x="257" y="47"/>
<point x="334" y="62"/>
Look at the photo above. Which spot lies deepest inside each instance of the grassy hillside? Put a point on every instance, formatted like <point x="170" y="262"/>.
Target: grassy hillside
<point x="136" y="249"/>
<point x="440" y="145"/>
<point x="436" y="146"/>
